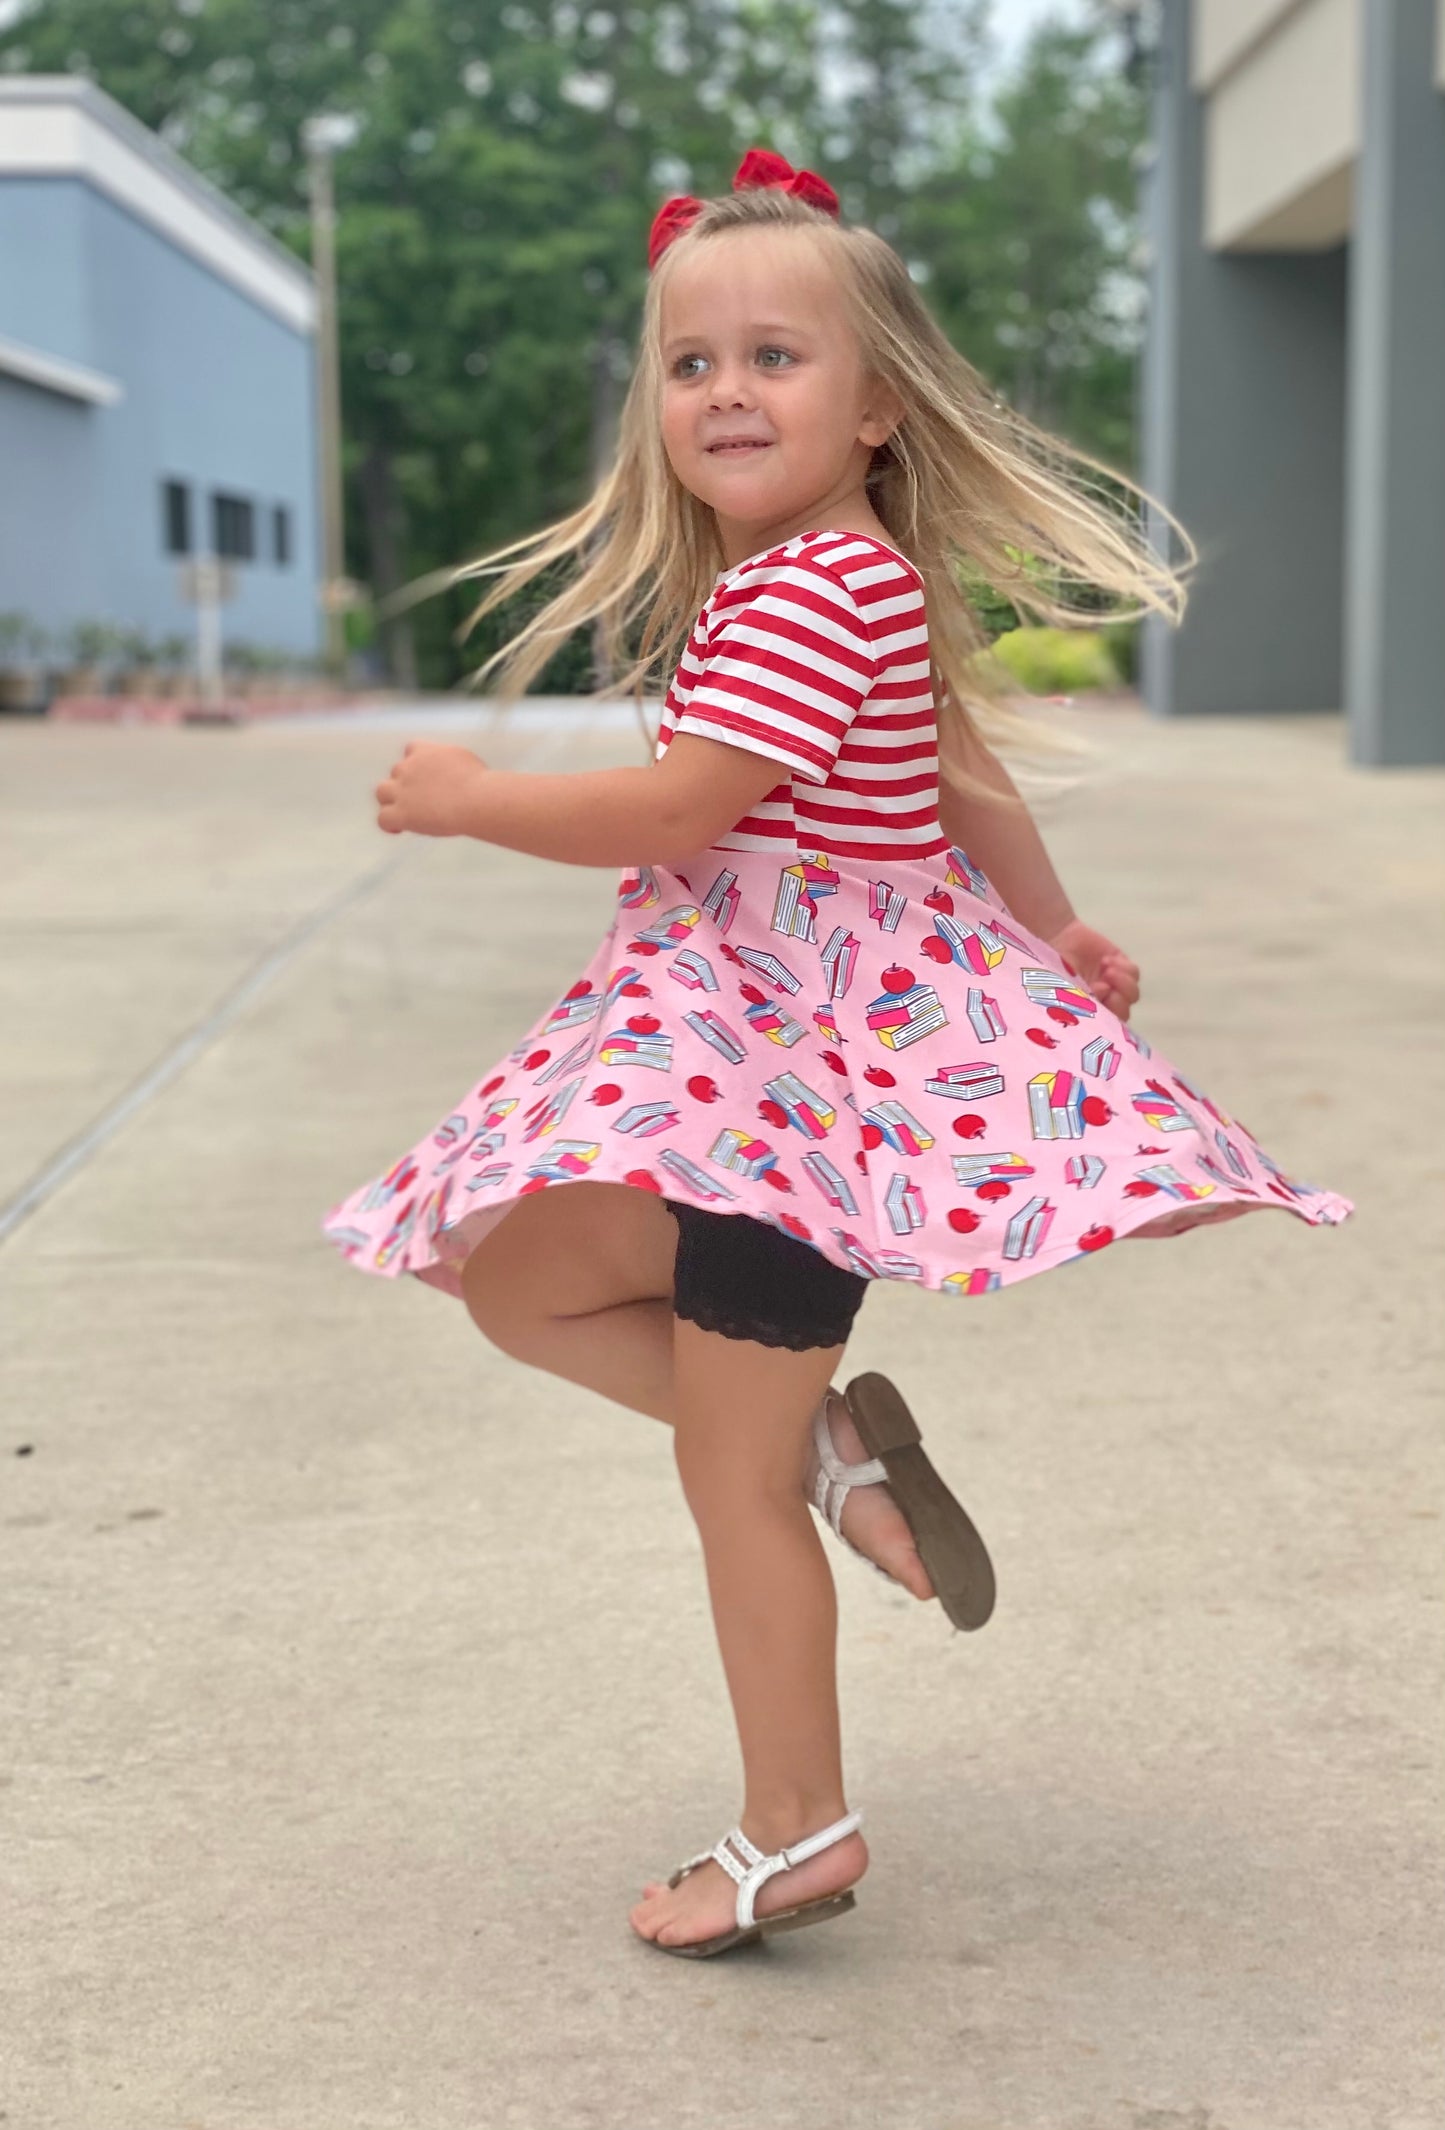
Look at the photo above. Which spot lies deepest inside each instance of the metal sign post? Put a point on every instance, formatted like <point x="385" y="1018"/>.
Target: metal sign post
<point x="207" y="584"/>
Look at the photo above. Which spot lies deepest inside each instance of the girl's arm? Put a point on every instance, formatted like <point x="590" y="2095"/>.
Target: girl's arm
<point x="1005" y="845"/>
<point x="643" y="816"/>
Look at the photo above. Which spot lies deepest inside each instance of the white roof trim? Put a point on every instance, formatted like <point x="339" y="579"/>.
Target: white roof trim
<point x="58" y="125"/>
<point x="56" y="374"/>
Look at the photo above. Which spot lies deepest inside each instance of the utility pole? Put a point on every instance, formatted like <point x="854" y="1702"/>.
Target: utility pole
<point x="322" y="136"/>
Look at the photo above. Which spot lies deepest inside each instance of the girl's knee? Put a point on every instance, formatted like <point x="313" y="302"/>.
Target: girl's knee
<point x="727" y="1474"/>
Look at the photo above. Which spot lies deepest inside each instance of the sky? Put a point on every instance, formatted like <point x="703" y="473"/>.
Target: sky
<point x="1013" y="19"/>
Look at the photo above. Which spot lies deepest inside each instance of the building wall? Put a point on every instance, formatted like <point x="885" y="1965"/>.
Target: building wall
<point x="42" y="285"/>
<point x="218" y="393"/>
<point x="49" y="556"/>
<point x="1282" y="120"/>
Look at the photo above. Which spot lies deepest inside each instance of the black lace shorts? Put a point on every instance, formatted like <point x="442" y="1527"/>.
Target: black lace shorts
<point x="750" y="1280"/>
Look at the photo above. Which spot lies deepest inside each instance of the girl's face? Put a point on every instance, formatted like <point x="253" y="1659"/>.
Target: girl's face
<point x="767" y="414"/>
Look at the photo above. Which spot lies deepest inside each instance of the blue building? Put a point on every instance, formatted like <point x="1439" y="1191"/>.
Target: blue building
<point x="1293" y="383"/>
<point x="157" y="382"/>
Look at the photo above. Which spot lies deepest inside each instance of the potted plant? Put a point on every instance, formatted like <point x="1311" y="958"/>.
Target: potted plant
<point x="22" y="646"/>
<point x="89" y="646"/>
<point x="136" y="662"/>
<point x="174" y="657"/>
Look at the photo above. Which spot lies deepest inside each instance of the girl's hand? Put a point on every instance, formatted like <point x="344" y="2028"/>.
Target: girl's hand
<point x="1105" y="968"/>
<point x="430" y="790"/>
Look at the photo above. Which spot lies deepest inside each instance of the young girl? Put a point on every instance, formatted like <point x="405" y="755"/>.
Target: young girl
<point x="845" y="1025"/>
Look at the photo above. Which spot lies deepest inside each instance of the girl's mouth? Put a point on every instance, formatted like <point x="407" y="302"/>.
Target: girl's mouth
<point x="734" y="450"/>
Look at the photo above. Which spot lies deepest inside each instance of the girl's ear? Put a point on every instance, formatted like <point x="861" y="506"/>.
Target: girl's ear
<point x="883" y="410"/>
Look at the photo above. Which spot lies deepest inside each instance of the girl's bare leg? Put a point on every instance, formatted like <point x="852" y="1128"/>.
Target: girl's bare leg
<point x="577" y="1280"/>
<point x="741" y="1436"/>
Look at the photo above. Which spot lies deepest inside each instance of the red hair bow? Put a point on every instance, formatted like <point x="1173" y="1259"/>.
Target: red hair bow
<point x="760" y="166"/>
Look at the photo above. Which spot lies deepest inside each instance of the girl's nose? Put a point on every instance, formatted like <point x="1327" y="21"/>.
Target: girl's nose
<point x="730" y="389"/>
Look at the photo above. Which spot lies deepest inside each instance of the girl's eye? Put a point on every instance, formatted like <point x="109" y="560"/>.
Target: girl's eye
<point x="680" y="367"/>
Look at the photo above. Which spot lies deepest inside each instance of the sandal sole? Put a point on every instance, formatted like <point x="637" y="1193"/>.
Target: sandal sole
<point x="834" y="1904"/>
<point x="949" y="1546"/>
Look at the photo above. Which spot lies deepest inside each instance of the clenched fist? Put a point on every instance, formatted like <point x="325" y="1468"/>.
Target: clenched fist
<point x="430" y="790"/>
<point x="1105" y="968"/>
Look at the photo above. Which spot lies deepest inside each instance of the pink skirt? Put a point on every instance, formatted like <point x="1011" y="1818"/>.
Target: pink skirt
<point x="879" y="1059"/>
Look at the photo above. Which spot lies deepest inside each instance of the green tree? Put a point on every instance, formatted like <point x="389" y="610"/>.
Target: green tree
<point x="494" y="201"/>
<point x="1027" y="231"/>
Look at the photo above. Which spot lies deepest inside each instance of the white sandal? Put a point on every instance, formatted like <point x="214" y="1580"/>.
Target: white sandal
<point x="835" y="1477"/>
<point x="750" y="1869"/>
<point x="948" y="1543"/>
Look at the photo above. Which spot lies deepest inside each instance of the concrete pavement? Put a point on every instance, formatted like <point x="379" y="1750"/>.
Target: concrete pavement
<point x="355" y="1678"/>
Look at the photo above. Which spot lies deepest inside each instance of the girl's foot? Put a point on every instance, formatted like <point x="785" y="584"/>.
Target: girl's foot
<point x="704" y="1904"/>
<point x="872" y="1519"/>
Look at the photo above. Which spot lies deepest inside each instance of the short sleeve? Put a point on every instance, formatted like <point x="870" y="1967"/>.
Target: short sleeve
<point x="788" y="663"/>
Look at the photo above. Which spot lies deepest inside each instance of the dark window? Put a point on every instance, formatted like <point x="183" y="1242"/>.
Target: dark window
<point x="280" y="535"/>
<point x="176" y="506"/>
<point x="233" y="528"/>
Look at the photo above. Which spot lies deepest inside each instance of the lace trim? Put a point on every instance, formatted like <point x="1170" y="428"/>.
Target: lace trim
<point x="795" y="1337"/>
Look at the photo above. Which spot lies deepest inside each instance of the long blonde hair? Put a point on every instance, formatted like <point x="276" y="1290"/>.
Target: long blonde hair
<point x="963" y="480"/>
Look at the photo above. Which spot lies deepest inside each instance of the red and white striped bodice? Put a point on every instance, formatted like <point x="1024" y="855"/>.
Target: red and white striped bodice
<point x="816" y="652"/>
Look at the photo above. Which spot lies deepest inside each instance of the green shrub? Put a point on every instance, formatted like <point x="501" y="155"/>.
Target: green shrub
<point x="1056" y="661"/>
<point x="1122" y="637"/>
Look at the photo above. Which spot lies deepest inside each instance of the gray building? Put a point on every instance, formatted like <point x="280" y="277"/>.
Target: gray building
<point x="157" y="382"/>
<point x="1293" y="385"/>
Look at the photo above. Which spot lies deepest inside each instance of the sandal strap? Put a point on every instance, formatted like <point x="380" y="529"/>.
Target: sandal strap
<point x="749" y="1868"/>
<point x="835" y="1477"/>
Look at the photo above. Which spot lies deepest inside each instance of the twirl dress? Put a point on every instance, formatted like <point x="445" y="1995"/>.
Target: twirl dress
<point x="829" y="1019"/>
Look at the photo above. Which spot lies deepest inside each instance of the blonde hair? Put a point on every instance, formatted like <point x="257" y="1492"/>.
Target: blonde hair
<point x="962" y="480"/>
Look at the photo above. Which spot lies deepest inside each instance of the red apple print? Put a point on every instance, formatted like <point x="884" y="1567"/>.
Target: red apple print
<point x="752" y="994"/>
<point x="685" y="882"/>
<point x="645" y="946"/>
<point x="1061" y="1013"/>
<point x="996" y="1188"/>
<point x="1148" y="1149"/>
<point x="1042" y="1037"/>
<point x="1279" y="1190"/>
<point x="608" y="1092"/>
<point x="533" y="1183"/>
<point x="1140" y="1189"/>
<point x="862" y="1160"/>
<point x="702" y="1089"/>
<point x="832" y="1060"/>
<point x="730" y="954"/>
<point x="896" y="978"/>
<point x="1068" y="965"/>
<point x="777" y="1179"/>
<point x="643" y="1180"/>
<point x="538" y="1057"/>
<point x="489" y="1087"/>
<point x="879" y="1076"/>
<point x="644" y="1024"/>
<point x="635" y="991"/>
<point x="1095" y="1110"/>
<point x="970" y="1126"/>
<point x="579" y="989"/>
<point x="794" y="1226"/>
<point x="963" y="1220"/>
<point x="940" y="899"/>
<point x="871" y="1136"/>
<point x="1096" y="1238"/>
<point x="935" y="948"/>
<point x="773" y="1113"/>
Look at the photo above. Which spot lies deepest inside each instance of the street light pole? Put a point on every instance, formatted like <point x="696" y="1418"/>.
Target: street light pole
<point x="320" y="140"/>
